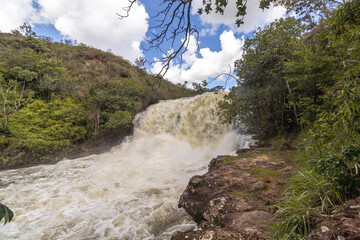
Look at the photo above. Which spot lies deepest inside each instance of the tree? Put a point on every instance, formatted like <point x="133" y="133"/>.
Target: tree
<point x="263" y="95"/>
<point x="27" y="30"/>
<point x="140" y="62"/>
<point x="11" y="97"/>
<point x="175" y="24"/>
<point x="312" y="11"/>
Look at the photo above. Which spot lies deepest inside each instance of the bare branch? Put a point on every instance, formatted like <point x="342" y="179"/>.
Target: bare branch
<point x="127" y="9"/>
<point x="173" y="29"/>
<point x="229" y="75"/>
<point x="174" y="26"/>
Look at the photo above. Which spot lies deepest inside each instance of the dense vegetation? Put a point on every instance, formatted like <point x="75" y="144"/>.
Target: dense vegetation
<point x="302" y="78"/>
<point x="54" y="96"/>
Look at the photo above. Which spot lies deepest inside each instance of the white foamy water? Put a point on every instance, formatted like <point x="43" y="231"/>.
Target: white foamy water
<point x="130" y="192"/>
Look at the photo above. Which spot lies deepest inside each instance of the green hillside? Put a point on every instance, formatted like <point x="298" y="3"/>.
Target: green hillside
<point x="55" y="96"/>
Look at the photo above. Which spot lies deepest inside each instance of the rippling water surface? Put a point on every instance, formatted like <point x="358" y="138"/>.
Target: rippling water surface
<point x="130" y="192"/>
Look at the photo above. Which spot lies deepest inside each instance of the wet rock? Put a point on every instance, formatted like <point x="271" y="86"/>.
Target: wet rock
<point x="205" y="231"/>
<point x="253" y="224"/>
<point x="197" y="191"/>
<point x="232" y="200"/>
<point x="214" y="163"/>
<point x="341" y="225"/>
<point x="223" y="211"/>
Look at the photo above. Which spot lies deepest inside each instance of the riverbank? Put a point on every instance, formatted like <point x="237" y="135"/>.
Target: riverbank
<point x="132" y="190"/>
<point x="235" y="198"/>
<point x="19" y="158"/>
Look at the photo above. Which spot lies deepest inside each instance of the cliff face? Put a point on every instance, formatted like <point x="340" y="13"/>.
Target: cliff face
<point x="233" y="199"/>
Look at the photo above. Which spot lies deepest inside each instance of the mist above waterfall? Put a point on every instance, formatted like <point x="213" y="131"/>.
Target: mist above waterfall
<point x="130" y="192"/>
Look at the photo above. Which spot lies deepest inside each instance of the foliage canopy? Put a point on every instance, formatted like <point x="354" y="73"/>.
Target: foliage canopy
<point x="303" y="76"/>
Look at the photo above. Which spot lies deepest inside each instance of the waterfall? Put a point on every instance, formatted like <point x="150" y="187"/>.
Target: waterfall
<point x="130" y="192"/>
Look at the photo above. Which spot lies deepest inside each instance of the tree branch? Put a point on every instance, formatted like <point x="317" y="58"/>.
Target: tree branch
<point x="229" y="75"/>
<point x="174" y="27"/>
<point x="127" y="9"/>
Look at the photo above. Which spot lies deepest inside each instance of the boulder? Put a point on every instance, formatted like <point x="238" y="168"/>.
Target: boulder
<point x="233" y="199"/>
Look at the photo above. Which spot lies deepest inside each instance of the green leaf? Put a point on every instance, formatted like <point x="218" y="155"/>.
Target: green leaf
<point x="5" y="213"/>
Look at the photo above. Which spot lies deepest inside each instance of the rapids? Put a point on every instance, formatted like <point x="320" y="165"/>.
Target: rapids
<point x="130" y="192"/>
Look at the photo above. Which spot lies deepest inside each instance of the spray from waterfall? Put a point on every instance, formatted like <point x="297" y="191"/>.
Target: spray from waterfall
<point x="130" y="192"/>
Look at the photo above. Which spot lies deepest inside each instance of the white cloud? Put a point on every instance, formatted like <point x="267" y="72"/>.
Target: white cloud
<point x="96" y="23"/>
<point x="208" y="64"/>
<point x="92" y="22"/>
<point x="254" y="18"/>
<point x="14" y="13"/>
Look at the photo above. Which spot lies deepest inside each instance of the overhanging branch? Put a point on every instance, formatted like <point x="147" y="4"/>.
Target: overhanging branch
<point x="174" y="26"/>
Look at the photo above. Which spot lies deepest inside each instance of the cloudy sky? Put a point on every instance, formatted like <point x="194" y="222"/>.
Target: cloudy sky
<point x="97" y="24"/>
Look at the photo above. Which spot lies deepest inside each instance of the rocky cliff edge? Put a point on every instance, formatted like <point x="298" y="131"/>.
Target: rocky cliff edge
<point x="234" y="199"/>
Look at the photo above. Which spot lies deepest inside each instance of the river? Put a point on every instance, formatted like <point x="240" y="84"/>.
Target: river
<point x="130" y="192"/>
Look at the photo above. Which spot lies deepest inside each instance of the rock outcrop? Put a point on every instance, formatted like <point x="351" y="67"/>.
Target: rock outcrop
<point x="343" y="224"/>
<point x="234" y="199"/>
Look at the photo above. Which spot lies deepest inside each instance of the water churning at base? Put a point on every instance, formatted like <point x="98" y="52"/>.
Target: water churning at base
<point x="130" y="192"/>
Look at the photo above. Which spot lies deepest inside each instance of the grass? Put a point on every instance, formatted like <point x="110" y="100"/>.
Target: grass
<point x="231" y="159"/>
<point x="271" y="150"/>
<point x="306" y="197"/>
<point x="243" y="193"/>
<point x="277" y="142"/>
<point x="227" y="162"/>
<point x="277" y="158"/>
<point x="242" y="155"/>
<point x="267" y="174"/>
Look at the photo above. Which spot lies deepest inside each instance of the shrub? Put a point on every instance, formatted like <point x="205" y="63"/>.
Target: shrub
<point x="341" y="168"/>
<point x="43" y="127"/>
<point x="119" y="119"/>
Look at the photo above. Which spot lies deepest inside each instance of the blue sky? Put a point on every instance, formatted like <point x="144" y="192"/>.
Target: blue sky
<point x="95" y="23"/>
